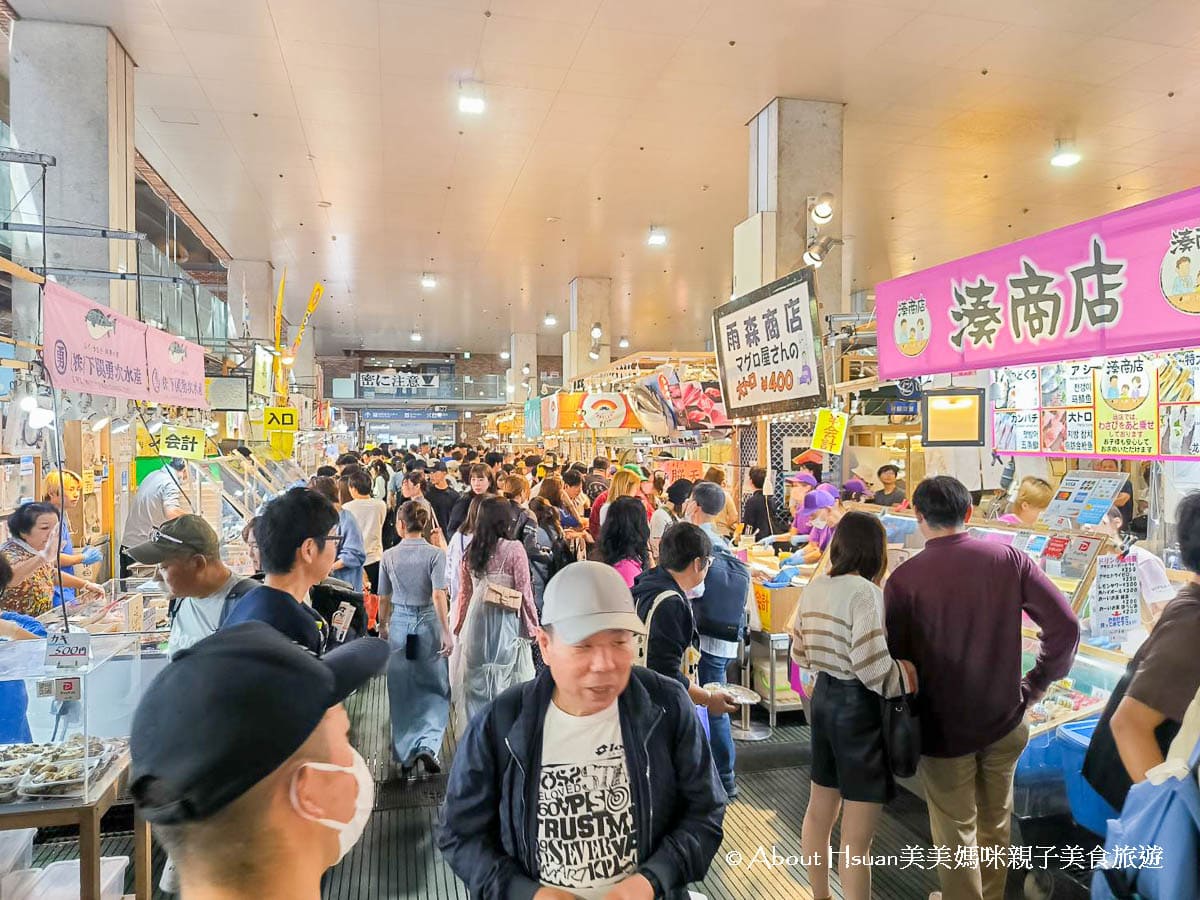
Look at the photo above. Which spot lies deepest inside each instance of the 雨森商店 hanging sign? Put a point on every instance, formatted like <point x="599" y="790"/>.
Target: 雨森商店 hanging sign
<point x="1122" y="283"/>
<point x="176" y="370"/>
<point x="769" y="350"/>
<point x="92" y="349"/>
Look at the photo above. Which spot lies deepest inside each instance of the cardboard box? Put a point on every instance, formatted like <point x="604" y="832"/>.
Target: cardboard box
<point x="783" y="688"/>
<point x="776" y="606"/>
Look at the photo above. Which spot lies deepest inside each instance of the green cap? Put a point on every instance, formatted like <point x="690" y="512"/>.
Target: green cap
<point x="187" y="535"/>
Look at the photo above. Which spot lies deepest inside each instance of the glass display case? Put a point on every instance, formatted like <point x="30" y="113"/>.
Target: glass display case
<point x="63" y="732"/>
<point x="225" y="512"/>
<point x="244" y="480"/>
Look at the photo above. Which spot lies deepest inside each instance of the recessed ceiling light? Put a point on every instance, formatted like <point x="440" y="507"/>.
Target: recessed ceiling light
<point x="470" y="98"/>
<point x="553" y="219"/>
<point x="1065" y="155"/>
<point x="415" y="336"/>
<point x="550" y="321"/>
<point x="657" y="237"/>
<point x="466" y="354"/>
<point x="428" y="280"/>
<point x="504" y="354"/>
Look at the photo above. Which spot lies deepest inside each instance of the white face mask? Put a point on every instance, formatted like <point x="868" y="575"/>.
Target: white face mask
<point x="364" y="802"/>
<point x="695" y="593"/>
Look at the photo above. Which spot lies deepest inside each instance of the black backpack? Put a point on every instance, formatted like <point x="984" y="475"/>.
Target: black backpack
<point x="561" y="556"/>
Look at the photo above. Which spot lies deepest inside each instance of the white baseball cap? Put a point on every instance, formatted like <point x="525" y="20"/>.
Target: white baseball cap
<point x="588" y="597"/>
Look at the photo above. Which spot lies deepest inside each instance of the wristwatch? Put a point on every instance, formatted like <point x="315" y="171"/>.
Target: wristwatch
<point x="654" y="883"/>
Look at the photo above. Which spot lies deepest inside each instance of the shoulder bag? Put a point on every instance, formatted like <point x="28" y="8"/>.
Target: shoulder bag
<point x="901" y="735"/>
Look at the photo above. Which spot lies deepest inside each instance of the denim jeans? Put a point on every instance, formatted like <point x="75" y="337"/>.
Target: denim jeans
<point x="712" y="668"/>
<point x="418" y="688"/>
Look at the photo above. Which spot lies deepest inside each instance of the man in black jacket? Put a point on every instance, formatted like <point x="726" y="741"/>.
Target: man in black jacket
<point x="594" y="779"/>
<point x="662" y="596"/>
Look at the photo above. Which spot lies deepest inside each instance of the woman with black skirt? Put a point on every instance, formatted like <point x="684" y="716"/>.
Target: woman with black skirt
<point x="838" y="634"/>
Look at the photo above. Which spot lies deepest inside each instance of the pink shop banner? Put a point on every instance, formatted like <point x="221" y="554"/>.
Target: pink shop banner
<point x="176" y="370"/>
<point x="91" y="349"/>
<point x="1119" y="284"/>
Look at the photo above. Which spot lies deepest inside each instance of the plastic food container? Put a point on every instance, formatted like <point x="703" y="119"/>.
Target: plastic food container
<point x="16" y="849"/>
<point x="1088" y="808"/>
<point x="60" y="881"/>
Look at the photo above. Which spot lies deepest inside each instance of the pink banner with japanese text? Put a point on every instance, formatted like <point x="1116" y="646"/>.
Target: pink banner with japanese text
<point x="176" y="370"/>
<point x="1118" y="284"/>
<point x="92" y="349"/>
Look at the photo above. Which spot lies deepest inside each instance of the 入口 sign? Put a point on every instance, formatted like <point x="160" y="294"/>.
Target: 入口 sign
<point x="281" y="418"/>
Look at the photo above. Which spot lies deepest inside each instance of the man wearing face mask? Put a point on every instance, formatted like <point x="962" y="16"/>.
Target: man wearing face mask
<point x="663" y="597"/>
<point x="274" y="794"/>
<point x="592" y="781"/>
<point x="727" y="593"/>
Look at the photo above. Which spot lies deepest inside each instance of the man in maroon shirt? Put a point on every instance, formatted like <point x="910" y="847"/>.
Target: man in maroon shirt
<point x="955" y="609"/>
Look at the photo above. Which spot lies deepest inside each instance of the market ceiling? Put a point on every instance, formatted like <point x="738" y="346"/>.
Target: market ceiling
<point x="605" y="117"/>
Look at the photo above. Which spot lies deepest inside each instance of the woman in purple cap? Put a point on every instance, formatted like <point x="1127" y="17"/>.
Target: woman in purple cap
<point x="824" y="513"/>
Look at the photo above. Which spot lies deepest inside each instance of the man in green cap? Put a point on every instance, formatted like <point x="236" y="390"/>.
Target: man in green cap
<point x="204" y="590"/>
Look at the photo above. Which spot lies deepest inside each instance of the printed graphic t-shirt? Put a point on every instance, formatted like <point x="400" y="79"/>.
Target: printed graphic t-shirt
<point x="585" y="841"/>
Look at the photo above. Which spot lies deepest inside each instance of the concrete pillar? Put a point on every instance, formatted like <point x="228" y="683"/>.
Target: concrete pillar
<point x="252" y="289"/>
<point x="71" y="89"/>
<point x="795" y="154"/>
<point x="591" y="300"/>
<point x="522" y="350"/>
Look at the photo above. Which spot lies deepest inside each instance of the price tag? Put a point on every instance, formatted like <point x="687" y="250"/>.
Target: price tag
<point x="1115" y="607"/>
<point x="67" y="651"/>
<point x="26" y="465"/>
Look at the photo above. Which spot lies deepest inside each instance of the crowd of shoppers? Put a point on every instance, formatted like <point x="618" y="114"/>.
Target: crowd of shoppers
<point x="579" y="684"/>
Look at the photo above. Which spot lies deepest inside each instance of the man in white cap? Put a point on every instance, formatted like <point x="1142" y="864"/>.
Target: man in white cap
<point x="594" y="780"/>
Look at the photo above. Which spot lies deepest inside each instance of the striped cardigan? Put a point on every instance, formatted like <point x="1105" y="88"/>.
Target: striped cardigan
<point x="838" y="628"/>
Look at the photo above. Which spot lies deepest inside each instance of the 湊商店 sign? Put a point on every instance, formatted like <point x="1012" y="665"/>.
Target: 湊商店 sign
<point x="1116" y="285"/>
<point x="769" y="350"/>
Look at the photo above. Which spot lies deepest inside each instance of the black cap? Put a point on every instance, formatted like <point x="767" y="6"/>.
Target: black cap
<point x="439" y="466"/>
<point x="229" y="711"/>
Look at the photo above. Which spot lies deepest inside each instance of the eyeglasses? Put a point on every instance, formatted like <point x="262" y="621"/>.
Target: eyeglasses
<point x="323" y="539"/>
<point x="157" y="535"/>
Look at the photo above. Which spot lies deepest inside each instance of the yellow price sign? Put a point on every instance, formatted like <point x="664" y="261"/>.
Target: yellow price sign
<point x="281" y="418"/>
<point x="830" y="433"/>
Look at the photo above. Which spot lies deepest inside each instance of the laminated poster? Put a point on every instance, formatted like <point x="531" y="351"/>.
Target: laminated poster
<point x="1115" y="601"/>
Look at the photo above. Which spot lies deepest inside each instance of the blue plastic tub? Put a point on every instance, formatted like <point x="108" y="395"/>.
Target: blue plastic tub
<point x="1089" y="808"/>
<point x="1041" y="760"/>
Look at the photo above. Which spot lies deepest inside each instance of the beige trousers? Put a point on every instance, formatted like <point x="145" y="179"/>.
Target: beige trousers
<point x="970" y="802"/>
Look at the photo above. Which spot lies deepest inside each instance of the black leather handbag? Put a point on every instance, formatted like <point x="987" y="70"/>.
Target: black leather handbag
<point x="901" y="736"/>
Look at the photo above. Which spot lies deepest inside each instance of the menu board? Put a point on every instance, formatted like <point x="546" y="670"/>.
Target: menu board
<point x="1135" y="407"/>
<point x="1084" y="497"/>
<point x="1115" y="607"/>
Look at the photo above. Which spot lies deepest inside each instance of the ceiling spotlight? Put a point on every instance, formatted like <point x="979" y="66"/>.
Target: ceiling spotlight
<point x="657" y="237"/>
<point x="1065" y="155"/>
<point x="504" y="354"/>
<point x="470" y="98"/>
<point x="511" y="389"/>
<point x="816" y="253"/>
<point x="623" y="343"/>
<point x="120" y="426"/>
<point x="40" y="417"/>
<point x="415" y="336"/>
<point x="156" y="425"/>
<point x="822" y="211"/>
<point x="29" y="403"/>
<point x="468" y="414"/>
<point x="551" y="320"/>
<point x="466" y="354"/>
<point x="597" y="331"/>
<point x="593" y="354"/>
<point x="525" y="369"/>
<point x="428" y="280"/>
<point x="99" y="424"/>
